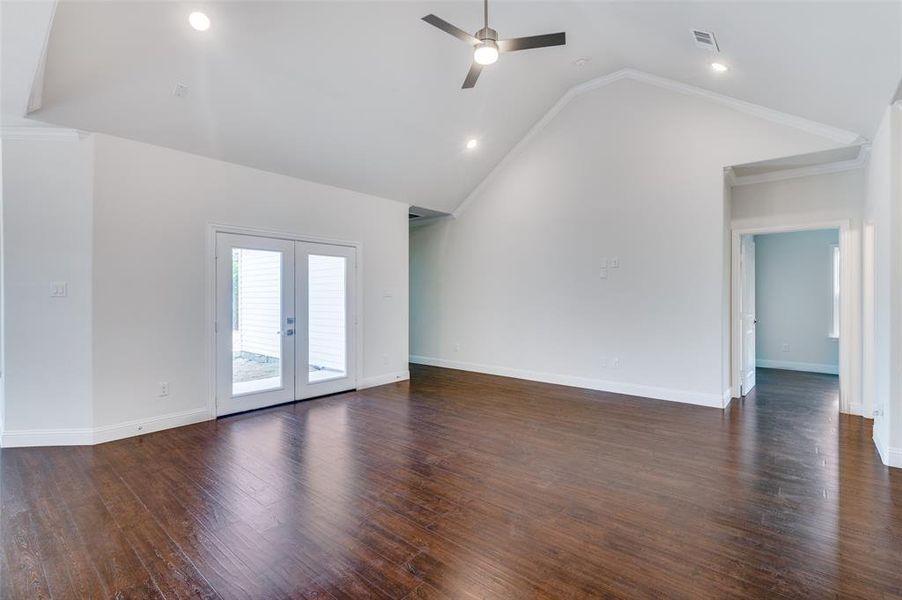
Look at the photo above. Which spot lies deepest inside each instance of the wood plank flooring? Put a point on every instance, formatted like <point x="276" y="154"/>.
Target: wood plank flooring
<point x="459" y="485"/>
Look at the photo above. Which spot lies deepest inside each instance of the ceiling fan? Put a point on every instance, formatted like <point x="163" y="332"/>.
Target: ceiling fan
<point x="487" y="46"/>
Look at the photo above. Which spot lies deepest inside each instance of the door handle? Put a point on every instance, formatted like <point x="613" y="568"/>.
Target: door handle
<point x="287" y="332"/>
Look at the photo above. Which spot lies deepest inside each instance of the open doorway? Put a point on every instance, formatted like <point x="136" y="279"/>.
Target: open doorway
<point x="789" y="305"/>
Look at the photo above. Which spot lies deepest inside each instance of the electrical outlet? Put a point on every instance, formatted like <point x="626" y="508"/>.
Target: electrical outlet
<point x="603" y="363"/>
<point x="603" y="273"/>
<point x="615" y="263"/>
<point x="164" y="388"/>
<point x="784" y="348"/>
<point x="615" y="362"/>
<point x="385" y="359"/>
<point x="457" y="347"/>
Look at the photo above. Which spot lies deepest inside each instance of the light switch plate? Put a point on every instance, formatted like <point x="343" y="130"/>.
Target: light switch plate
<point x="58" y="289"/>
<point x="615" y="263"/>
<point x="603" y="273"/>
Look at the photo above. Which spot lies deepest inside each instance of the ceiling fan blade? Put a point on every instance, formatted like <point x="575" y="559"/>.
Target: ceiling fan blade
<point x="472" y="76"/>
<point x="449" y="28"/>
<point x="533" y="41"/>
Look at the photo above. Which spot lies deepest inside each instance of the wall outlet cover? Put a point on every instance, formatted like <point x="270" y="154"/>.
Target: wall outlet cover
<point x="59" y="289"/>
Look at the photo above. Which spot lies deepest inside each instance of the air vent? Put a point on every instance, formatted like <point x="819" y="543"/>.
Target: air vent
<point x="706" y="40"/>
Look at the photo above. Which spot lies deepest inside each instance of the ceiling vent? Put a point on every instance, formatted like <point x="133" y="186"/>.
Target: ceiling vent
<point x="706" y="40"/>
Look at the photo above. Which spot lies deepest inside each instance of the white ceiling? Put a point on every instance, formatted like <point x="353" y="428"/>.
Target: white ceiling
<point x="365" y="96"/>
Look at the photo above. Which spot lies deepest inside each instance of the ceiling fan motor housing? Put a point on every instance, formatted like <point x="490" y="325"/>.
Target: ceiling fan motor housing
<point x="487" y="33"/>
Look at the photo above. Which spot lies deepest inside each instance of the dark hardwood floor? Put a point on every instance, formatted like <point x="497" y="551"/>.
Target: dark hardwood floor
<point x="459" y="485"/>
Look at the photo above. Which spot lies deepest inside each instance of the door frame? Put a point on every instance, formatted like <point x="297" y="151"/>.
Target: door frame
<point x="216" y="228"/>
<point x="849" y="302"/>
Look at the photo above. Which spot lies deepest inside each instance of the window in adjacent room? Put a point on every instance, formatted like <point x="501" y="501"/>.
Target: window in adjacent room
<point x="835" y="262"/>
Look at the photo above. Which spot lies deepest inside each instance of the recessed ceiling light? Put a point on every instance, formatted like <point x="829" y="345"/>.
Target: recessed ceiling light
<point x="719" y="67"/>
<point x="199" y="21"/>
<point x="471" y="144"/>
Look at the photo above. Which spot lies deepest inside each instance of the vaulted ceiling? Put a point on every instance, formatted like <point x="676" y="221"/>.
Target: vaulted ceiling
<point x="364" y="95"/>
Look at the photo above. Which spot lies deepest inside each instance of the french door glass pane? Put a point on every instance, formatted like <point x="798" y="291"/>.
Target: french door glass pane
<point x="327" y="318"/>
<point x="256" y="320"/>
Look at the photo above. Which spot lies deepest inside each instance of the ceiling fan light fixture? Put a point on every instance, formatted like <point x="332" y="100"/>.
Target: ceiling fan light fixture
<point x="486" y="53"/>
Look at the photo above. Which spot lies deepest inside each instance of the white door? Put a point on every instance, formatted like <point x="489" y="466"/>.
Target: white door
<point x="747" y="311"/>
<point x="255" y="348"/>
<point x="326" y="355"/>
<point x="285" y="321"/>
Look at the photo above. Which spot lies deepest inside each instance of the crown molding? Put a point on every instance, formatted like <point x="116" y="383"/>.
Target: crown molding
<point x="840" y="136"/>
<point x="823" y="169"/>
<point x="45" y="134"/>
<point x="730" y="175"/>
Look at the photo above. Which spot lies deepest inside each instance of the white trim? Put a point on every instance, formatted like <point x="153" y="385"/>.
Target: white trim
<point x="850" y="288"/>
<point x="212" y="230"/>
<point x="42" y="134"/>
<point x="108" y="433"/>
<point x="47" y="437"/>
<point x="811" y="170"/>
<point x="383" y="379"/>
<point x="727" y="397"/>
<point x="882" y="450"/>
<point x="100" y="435"/>
<point x="840" y="136"/>
<point x="797" y="366"/>
<point x="894" y="458"/>
<point x="616" y="387"/>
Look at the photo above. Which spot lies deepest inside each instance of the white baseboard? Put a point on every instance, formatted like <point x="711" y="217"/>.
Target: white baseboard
<point x="727" y="397"/>
<point x="108" y="433"/>
<point x="797" y="366"/>
<point x="891" y="457"/>
<point x="617" y="387"/>
<point x="99" y="435"/>
<point x="47" y="437"/>
<point x="894" y="458"/>
<point x="383" y="379"/>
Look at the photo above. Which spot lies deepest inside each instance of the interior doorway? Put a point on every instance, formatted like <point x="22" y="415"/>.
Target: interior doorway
<point x="792" y="305"/>
<point x="285" y="323"/>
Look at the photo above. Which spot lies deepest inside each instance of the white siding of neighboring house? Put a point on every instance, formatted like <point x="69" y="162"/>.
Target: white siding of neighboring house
<point x="327" y="312"/>
<point x="259" y="317"/>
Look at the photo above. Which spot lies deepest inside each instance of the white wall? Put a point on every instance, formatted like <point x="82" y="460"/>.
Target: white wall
<point x="825" y="197"/>
<point x="881" y="211"/>
<point x="152" y="208"/>
<point x="47" y="224"/>
<point x="127" y="225"/>
<point x="631" y="171"/>
<point x="794" y="301"/>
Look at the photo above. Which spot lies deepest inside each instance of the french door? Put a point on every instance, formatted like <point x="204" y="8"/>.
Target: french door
<point x="285" y="321"/>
